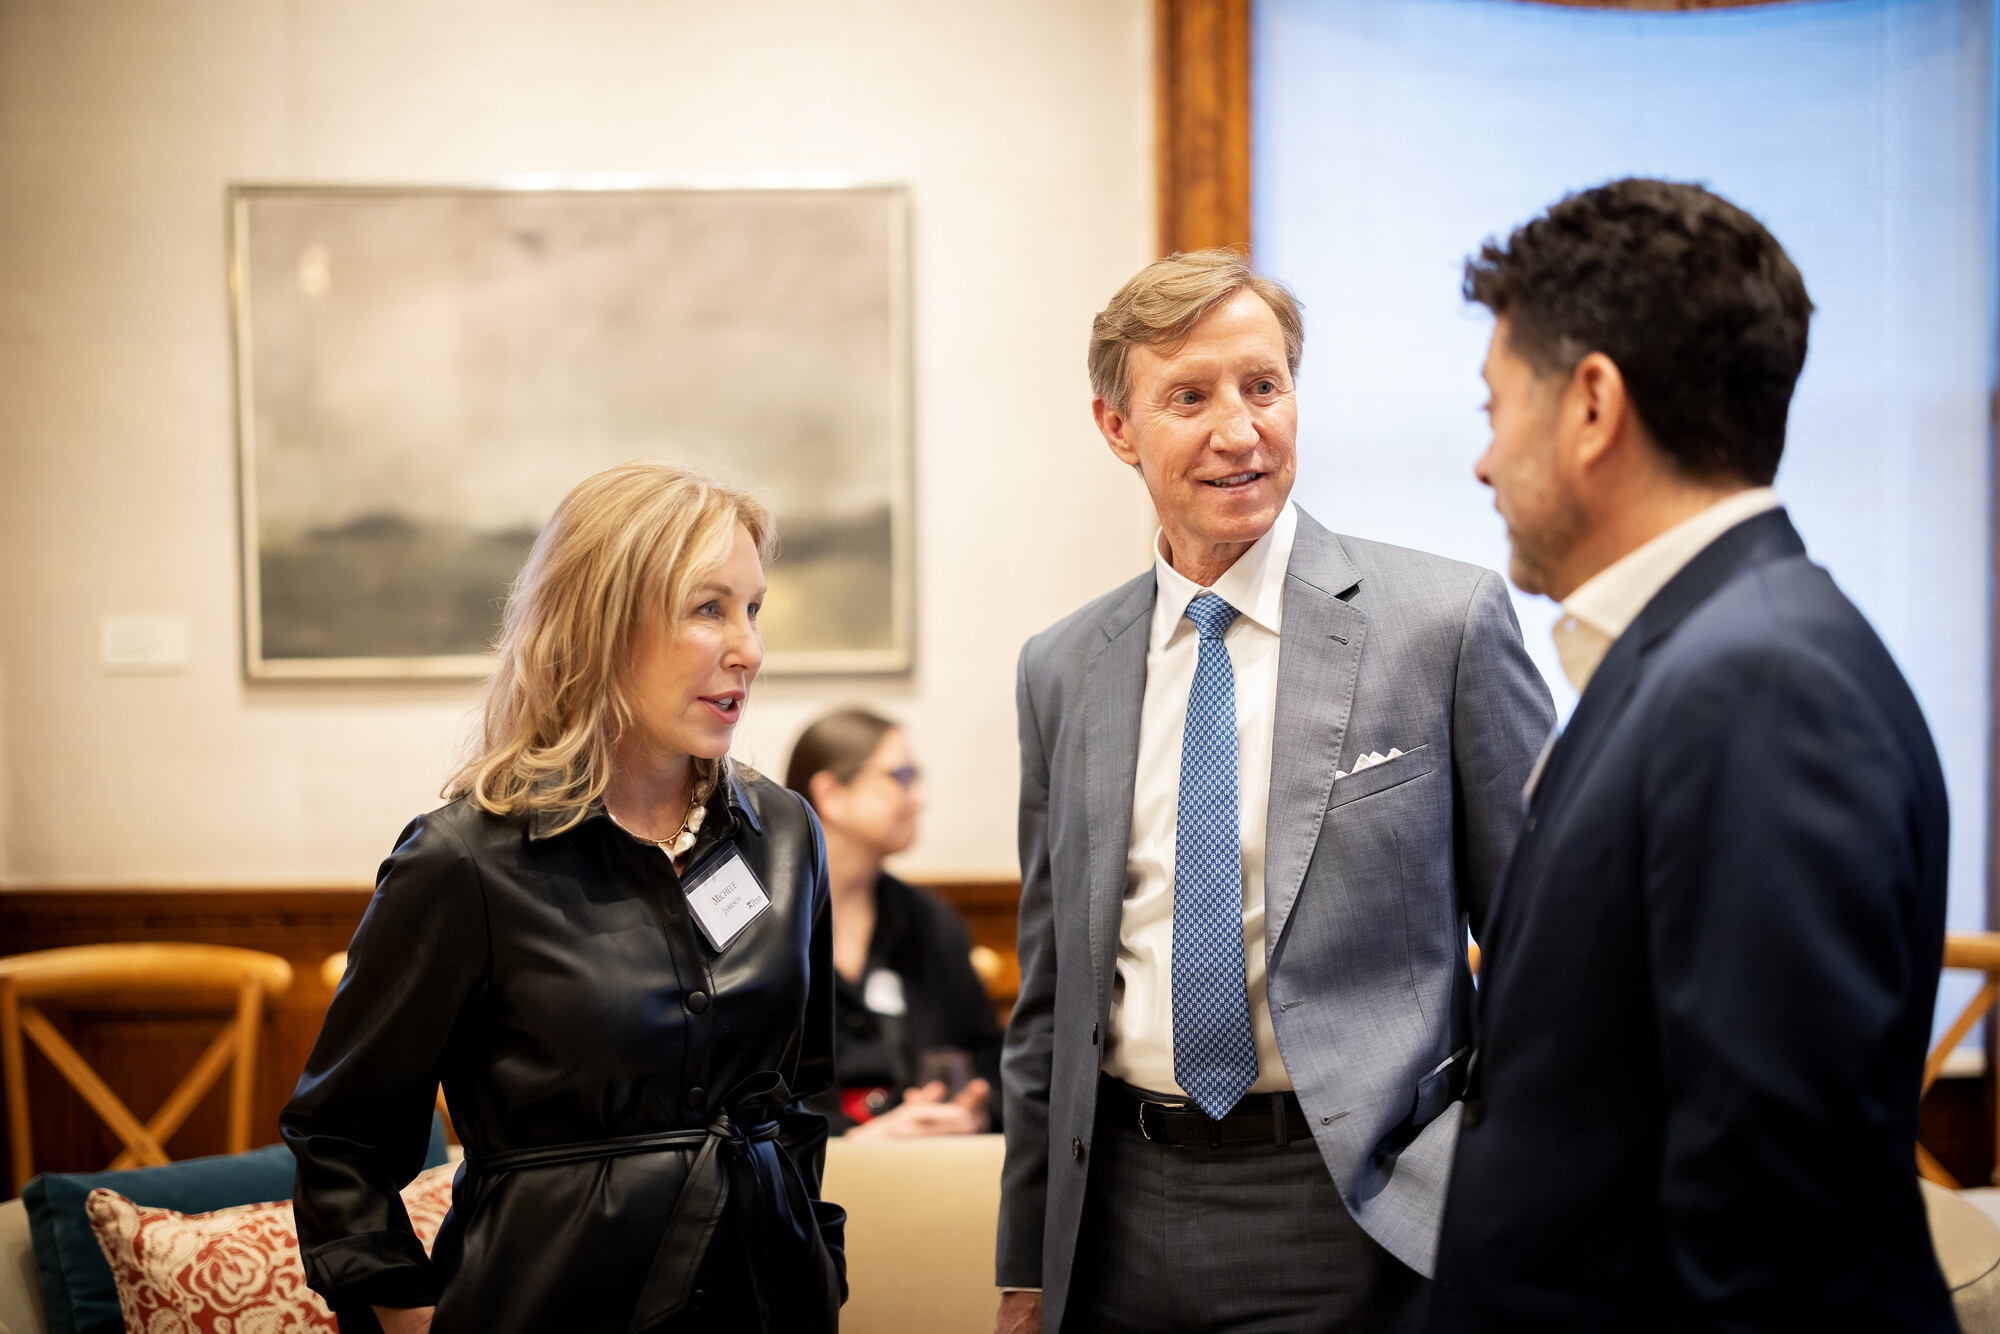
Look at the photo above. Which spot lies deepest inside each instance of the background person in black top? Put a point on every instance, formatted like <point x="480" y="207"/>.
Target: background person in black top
<point x="916" y="1046"/>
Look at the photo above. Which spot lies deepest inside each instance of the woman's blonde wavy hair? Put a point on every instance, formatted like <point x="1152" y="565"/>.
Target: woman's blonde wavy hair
<point x="625" y="546"/>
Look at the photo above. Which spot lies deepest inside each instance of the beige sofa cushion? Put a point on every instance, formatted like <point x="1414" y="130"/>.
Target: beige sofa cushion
<point x="922" y="1219"/>
<point x="920" y="1247"/>
<point x="20" y="1290"/>
<point x="1967" y="1242"/>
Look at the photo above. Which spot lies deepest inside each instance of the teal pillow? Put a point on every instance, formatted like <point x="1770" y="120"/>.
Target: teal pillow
<point x="78" y="1295"/>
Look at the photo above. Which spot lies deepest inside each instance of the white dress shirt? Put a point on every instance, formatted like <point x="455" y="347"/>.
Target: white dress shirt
<point x="1606" y="603"/>
<point x="1140" y="1047"/>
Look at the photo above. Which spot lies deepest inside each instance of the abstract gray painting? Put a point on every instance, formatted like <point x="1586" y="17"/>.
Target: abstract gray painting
<point x="422" y="374"/>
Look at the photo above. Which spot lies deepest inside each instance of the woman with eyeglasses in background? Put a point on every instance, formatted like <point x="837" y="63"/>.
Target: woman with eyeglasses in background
<point x="916" y="1045"/>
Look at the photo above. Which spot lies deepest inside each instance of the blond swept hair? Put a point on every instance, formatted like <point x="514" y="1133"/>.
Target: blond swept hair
<point x="625" y="546"/>
<point x="1160" y="305"/>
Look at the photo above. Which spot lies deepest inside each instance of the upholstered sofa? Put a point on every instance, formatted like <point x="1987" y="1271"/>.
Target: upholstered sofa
<point x="920" y="1241"/>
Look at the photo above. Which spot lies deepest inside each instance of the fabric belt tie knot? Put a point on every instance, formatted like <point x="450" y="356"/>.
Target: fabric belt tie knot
<point x="697" y="1213"/>
<point x="1215" y="1055"/>
<point x="739" y="1139"/>
<point x="732" y="1142"/>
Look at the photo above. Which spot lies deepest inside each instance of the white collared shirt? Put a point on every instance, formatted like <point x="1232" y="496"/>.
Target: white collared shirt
<point x="1140" y="1046"/>
<point x="1609" y="601"/>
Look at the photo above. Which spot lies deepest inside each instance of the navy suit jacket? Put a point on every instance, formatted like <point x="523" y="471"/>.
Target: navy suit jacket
<point x="1707" y="983"/>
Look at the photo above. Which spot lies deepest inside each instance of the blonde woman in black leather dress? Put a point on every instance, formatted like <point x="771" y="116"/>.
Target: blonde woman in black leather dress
<point x="613" y="949"/>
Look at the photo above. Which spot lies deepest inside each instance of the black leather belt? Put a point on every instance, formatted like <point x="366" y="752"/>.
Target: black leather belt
<point x="1260" y="1118"/>
<point x="752" y="1119"/>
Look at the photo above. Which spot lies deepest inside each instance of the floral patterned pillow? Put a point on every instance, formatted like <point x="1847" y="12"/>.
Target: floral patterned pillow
<point x="235" y="1271"/>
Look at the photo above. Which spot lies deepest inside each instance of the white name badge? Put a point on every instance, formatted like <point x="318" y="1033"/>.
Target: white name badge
<point x="725" y="900"/>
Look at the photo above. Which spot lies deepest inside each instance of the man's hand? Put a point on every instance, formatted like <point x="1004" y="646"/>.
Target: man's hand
<point x="926" y="1111"/>
<point x="417" y="1319"/>
<point x="1020" y="1313"/>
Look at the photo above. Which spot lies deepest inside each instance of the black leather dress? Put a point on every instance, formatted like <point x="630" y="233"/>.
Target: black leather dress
<point x="638" y="1153"/>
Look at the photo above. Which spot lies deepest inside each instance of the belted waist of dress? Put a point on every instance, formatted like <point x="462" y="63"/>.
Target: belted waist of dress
<point x="749" y="1117"/>
<point x="622" y="1146"/>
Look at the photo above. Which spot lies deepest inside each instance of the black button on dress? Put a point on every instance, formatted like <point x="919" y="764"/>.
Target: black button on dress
<point x="597" y="1053"/>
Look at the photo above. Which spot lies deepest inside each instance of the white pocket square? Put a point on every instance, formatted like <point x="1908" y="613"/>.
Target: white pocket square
<point x="1368" y="761"/>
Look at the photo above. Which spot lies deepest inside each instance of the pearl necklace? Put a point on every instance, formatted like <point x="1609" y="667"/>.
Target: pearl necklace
<point x="683" y="838"/>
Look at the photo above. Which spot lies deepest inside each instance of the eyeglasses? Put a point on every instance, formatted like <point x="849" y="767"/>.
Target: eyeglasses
<point x="906" y="774"/>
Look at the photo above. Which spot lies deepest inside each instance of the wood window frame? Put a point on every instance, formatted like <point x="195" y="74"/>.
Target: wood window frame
<point x="1202" y="122"/>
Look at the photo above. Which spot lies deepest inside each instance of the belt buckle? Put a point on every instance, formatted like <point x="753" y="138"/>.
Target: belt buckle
<point x="1144" y="1103"/>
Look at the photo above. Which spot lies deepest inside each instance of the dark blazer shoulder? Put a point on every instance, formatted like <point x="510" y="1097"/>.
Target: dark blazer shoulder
<point x="1752" y="598"/>
<point x="1781" y="618"/>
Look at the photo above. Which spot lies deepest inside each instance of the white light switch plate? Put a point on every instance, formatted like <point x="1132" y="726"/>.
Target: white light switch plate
<point x="143" y="644"/>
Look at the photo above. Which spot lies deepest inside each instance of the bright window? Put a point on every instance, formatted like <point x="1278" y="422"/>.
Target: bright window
<point x="1391" y="136"/>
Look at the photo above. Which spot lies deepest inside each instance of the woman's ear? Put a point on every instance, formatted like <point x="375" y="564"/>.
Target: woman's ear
<point x="825" y="790"/>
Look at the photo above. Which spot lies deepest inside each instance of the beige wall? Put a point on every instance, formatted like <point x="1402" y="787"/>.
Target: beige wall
<point x="1021" y="129"/>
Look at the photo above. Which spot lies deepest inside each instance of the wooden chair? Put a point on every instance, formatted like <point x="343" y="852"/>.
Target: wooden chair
<point x="98" y="970"/>
<point x="1977" y="952"/>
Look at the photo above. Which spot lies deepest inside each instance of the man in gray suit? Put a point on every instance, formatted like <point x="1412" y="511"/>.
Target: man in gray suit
<point x="1264" y="788"/>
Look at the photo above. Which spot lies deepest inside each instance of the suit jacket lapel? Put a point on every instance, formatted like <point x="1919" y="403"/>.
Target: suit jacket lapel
<point x="1114" y="693"/>
<point x="1765" y="537"/>
<point x="1602" y="700"/>
<point x="1319" y="658"/>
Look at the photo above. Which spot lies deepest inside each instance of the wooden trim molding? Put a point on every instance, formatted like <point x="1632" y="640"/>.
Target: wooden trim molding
<point x="144" y="1044"/>
<point x="1202" y="122"/>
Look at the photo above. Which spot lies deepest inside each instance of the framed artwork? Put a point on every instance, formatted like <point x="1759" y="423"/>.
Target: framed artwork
<point x="421" y="374"/>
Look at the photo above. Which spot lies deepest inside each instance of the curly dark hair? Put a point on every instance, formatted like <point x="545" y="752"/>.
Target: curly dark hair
<point x="1699" y="306"/>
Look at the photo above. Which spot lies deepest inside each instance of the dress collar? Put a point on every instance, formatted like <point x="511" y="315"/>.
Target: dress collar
<point x="1254" y="585"/>
<point x="725" y="804"/>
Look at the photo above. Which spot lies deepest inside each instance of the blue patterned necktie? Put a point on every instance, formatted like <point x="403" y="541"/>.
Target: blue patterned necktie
<point x="1215" y="1058"/>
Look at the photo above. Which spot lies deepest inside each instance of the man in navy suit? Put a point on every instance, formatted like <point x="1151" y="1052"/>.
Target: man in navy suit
<point x="1710" y="966"/>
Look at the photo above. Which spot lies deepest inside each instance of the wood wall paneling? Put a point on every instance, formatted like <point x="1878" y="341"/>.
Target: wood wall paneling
<point x="1202" y="122"/>
<point x="143" y="1050"/>
<point x="991" y="907"/>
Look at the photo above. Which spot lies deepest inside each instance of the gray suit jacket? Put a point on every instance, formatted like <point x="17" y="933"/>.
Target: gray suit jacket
<point x="1369" y="880"/>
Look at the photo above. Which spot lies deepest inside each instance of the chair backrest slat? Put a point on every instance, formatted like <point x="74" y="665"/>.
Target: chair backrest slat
<point x="249" y="976"/>
<point x="89" y="969"/>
